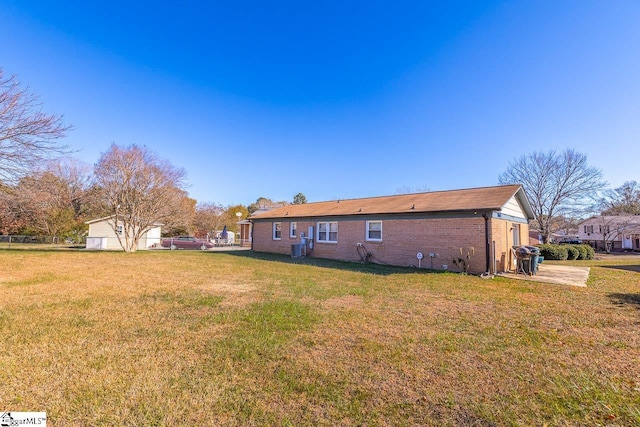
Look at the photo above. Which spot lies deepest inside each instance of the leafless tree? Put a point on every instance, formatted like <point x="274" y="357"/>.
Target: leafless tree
<point x="28" y="136"/>
<point x="610" y="228"/>
<point x="624" y="200"/>
<point x="553" y="182"/>
<point x="208" y="219"/>
<point x="140" y="190"/>
<point x="53" y="200"/>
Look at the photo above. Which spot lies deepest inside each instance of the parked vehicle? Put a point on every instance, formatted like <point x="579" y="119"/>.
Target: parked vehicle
<point x="570" y="242"/>
<point x="185" y="242"/>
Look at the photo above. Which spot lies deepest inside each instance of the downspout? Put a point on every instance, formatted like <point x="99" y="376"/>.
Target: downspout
<point x="487" y="242"/>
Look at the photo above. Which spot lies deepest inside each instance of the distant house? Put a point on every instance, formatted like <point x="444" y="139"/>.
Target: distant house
<point x="439" y="227"/>
<point x="535" y="238"/>
<point x="102" y="235"/>
<point x="618" y="232"/>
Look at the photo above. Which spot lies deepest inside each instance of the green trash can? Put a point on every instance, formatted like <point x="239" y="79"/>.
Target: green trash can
<point x="535" y="258"/>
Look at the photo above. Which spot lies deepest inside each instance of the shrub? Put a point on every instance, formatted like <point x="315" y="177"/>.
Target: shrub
<point x="590" y="252"/>
<point x="582" y="251"/>
<point x="572" y="252"/>
<point x="554" y="252"/>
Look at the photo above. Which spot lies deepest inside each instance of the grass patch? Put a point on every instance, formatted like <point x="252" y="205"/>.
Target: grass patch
<point x="179" y="337"/>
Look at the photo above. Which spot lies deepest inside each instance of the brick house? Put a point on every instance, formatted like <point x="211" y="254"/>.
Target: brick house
<point x="484" y="222"/>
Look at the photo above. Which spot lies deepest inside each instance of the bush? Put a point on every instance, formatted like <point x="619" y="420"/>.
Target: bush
<point x="591" y="253"/>
<point x="572" y="252"/>
<point x="582" y="251"/>
<point x="554" y="252"/>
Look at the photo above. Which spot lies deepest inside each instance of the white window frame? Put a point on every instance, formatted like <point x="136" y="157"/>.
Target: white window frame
<point x="277" y="228"/>
<point x="368" y="230"/>
<point x="328" y="231"/>
<point x="293" y="230"/>
<point x="119" y="229"/>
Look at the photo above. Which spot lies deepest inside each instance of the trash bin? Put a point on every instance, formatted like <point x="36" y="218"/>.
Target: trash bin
<point x="296" y="250"/>
<point x="535" y="256"/>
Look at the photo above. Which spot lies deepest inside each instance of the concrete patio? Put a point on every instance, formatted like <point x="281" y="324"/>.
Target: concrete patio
<point x="555" y="274"/>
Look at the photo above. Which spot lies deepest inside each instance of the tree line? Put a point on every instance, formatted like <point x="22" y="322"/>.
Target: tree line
<point x="44" y="191"/>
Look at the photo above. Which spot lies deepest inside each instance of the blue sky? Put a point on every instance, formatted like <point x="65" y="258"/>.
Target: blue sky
<point x="336" y="99"/>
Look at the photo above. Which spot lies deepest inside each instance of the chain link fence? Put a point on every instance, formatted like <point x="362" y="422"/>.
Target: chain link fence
<point x="23" y="241"/>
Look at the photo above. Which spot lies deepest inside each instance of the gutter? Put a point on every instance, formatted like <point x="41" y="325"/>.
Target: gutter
<point x="488" y="242"/>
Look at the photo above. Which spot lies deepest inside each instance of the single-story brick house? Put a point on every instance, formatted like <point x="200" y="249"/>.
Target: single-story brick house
<point x="102" y="235"/>
<point x="483" y="222"/>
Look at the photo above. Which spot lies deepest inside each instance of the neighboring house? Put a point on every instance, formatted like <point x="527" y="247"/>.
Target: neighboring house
<point x="102" y="235"/>
<point x="483" y="222"/>
<point x="535" y="238"/>
<point x="611" y="232"/>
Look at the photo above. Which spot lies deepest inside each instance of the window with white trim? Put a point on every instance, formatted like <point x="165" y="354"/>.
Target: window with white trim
<point x="293" y="229"/>
<point x="119" y="229"/>
<point x="374" y="231"/>
<point x="327" y="232"/>
<point x="277" y="230"/>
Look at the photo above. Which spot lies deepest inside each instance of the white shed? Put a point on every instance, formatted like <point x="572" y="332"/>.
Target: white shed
<point x="102" y="235"/>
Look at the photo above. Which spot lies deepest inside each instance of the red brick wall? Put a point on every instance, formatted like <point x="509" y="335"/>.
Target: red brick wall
<point x="402" y="239"/>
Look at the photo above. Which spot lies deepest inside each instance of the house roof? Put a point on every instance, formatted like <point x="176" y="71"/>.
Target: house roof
<point x="472" y="199"/>
<point x="608" y="219"/>
<point x="107" y="218"/>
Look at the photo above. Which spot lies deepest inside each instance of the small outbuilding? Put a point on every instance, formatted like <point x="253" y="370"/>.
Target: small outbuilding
<point x="444" y="230"/>
<point x="103" y="235"/>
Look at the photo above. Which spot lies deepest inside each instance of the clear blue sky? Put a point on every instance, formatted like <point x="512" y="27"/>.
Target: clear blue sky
<point x="336" y="99"/>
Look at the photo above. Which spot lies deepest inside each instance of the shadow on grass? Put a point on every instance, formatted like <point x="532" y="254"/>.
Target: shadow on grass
<point x="625" y="299"/>
<point x="635" y="268"/>
<point x="358" y="267"/>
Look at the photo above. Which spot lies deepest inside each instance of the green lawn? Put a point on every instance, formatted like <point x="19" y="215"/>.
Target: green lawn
<point x="205" y="338"/>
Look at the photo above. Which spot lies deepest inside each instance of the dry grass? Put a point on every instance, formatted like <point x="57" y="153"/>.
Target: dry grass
<point x="175" y="338"/>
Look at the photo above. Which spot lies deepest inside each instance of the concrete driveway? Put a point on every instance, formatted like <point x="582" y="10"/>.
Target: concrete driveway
<point x="556" y="274"/>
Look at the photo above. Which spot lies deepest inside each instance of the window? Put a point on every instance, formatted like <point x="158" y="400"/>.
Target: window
<point x="604" y="229"/>
<point x="328" y="232"/>
<point x="588" y="228"/>
<point x="293" y="229"/>
<point x="374" y="231"/>
<point x="119" y="229"/>
<point x="277" y="230"/>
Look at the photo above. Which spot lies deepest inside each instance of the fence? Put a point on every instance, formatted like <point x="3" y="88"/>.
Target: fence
<point x="22" y="241"/>
<point x="97" y="243"/>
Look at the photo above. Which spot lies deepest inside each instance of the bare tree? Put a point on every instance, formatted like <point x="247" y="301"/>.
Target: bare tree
<point x="53" y="200"/>
<point x="140" y="191"/>
<point x="553" y="182"/>
<point x="611" y="228"/>
<point x="624" y="200"/>
<point x="28" y="136"/>
<point x="208" y="219"/>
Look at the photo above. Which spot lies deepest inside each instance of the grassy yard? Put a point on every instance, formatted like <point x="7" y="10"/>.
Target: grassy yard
<point x="204" y="338"/>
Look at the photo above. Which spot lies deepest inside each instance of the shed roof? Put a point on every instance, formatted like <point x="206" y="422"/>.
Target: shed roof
<point x="484" y="198"/>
